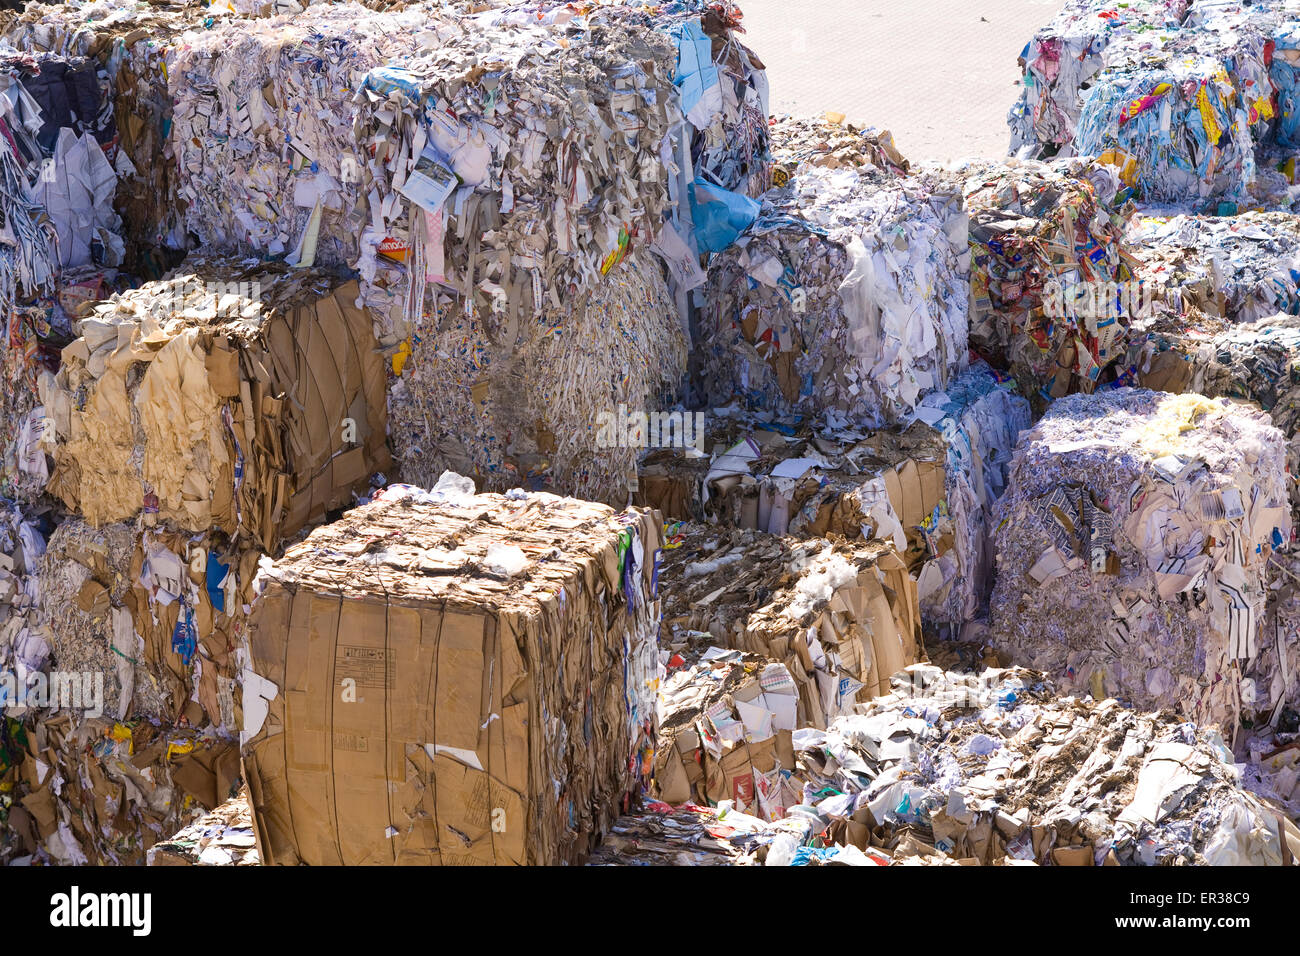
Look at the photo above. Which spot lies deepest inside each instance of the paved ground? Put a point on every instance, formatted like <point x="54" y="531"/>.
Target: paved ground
<point x="939" y="74"/>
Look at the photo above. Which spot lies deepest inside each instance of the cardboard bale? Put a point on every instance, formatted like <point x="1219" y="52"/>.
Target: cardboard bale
<point x="840" y="616"/>
<point x="100" y="791"/>
<point x="999" y="768"/>
<point x="246" y="399"/>
<point x="791" y="478"/>
<point x="846" y="297"/>
<point x="445" y="678"/>
<point x="126" y="651"/>
<point x="1132" y="550"/>
<point x="159" y="613"/>
<point x="1047" y="263"/>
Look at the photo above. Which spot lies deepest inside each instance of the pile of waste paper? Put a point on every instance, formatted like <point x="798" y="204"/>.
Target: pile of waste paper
<point x="840" y="616"/>
<point x="505" y="645"/>
<point x="997" y="768"/>
<point x="1133" y="551"/>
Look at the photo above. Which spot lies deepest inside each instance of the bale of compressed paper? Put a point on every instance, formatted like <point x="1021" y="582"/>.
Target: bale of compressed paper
<point x="1048" y="269"/>
<point x="257" y="171"/>
<point x="1062" y="59"/>
<point x="1241" y="268"/>
<point x="832" y="143"/>
<point x="245" y="398"/>
<point x="980" y="417"/>
<point x="847" y="297"/>
<point x="998" y="767"/>
<point x="125" y="648"/>
<point x="533" y="403"/>
<point x="790" y="478"/>
<point x="130" y="43"/>
<point x="725" y="725"/>
<point x="1258" y="362"/>
<point x="1132" y="550"/>
<point x="1180" y="114"/>
<point x="449" y="678"/>
<point x="541" y="170"/>
<point x="840" y="616"/>
<point x="160" y="613"/>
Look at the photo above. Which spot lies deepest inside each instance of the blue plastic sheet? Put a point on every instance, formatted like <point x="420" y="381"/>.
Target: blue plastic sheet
<point x="719" y="216"/>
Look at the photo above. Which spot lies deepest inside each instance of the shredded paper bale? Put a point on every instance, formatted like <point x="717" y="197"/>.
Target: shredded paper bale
<point x="1133" y="547"/>
<point x="452" y="711"/>
<point x="232" y="396"/>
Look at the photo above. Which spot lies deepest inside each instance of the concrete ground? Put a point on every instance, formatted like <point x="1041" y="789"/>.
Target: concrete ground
<point x="939" y="74"/>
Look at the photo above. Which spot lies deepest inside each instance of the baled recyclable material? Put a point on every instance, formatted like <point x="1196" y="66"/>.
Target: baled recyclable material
<point x="1241" y="268"/>
<point x="458" y="708"/>
<point x="541" y="404"/>
<point x="1179" y="114"/>
<point x="980" y="417"/>
<point x="233" y="396"/>
<point x="1048" y="267"/>
<point x="1133" y="548"/>
<point x="792" y="479"/>
<point x="840" y="616"/>
<point x="1062" y="60"/>
<point x="847" y="297"/>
